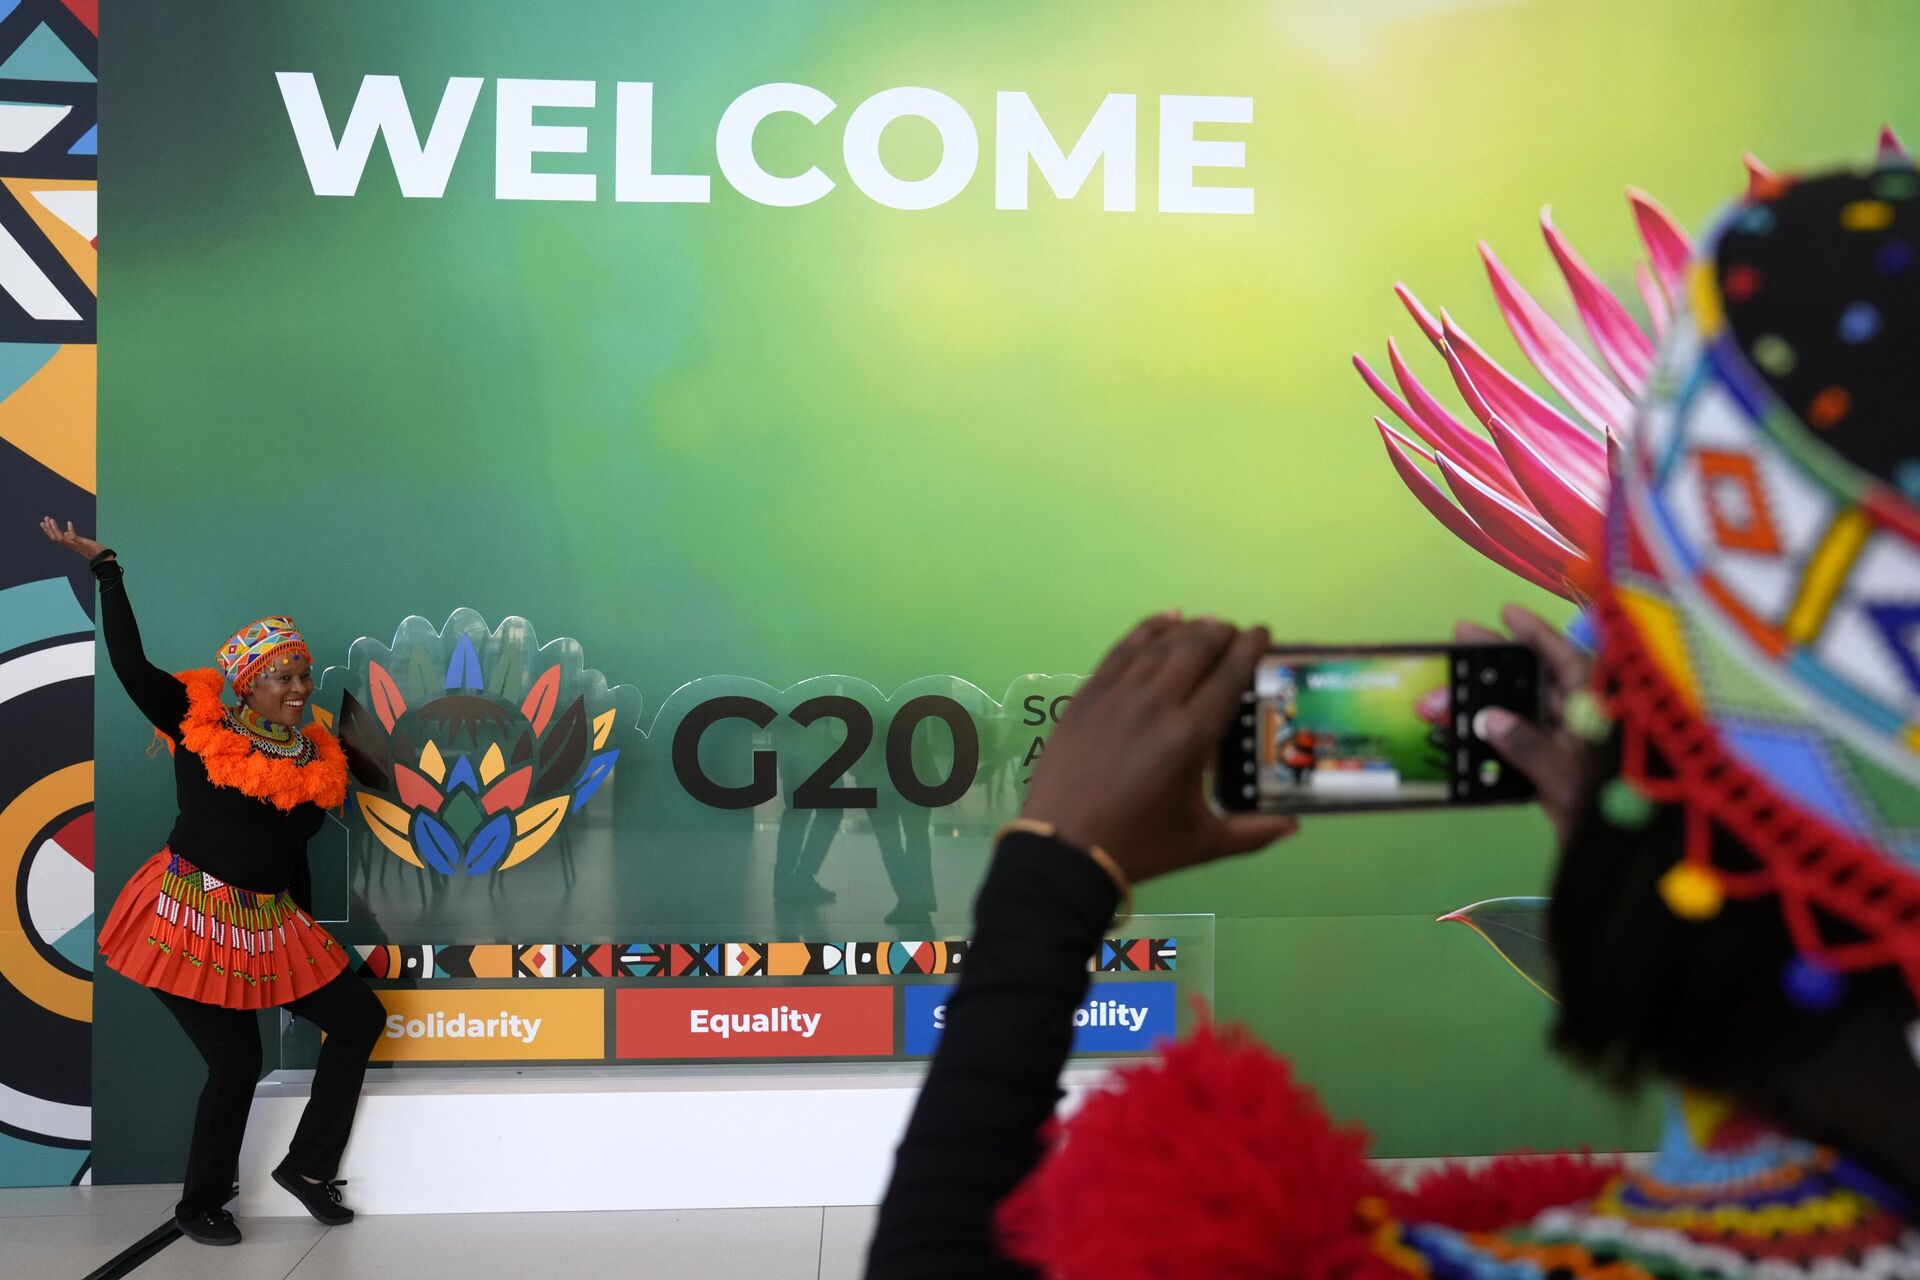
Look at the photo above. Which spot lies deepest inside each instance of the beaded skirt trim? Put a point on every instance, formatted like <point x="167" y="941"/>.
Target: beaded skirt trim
<point x="177" y="929"/>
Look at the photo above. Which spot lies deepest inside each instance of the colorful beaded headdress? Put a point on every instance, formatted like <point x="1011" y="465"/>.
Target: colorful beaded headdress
<point x="252" y="647"/>
<point x="1760" y="626"/>
<point x="1759" y="608"/>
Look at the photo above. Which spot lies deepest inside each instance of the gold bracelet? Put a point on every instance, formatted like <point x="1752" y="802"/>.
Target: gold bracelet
<point x="1033" y="826"/>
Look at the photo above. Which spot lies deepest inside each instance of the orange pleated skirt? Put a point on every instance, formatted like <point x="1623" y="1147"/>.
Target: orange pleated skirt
<point x="177" y="929"/>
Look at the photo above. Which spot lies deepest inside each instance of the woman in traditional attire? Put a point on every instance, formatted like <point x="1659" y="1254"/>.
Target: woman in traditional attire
<point x="218" y="924"/>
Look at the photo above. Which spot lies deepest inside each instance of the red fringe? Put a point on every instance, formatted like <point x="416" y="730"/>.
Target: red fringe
<point x="1815" y="869"/>
<point x="1211" y="1160"/>
<point x="1505" y="1190"/>
<point x="1207" y="1161"/>
<point x="231" y="760"/>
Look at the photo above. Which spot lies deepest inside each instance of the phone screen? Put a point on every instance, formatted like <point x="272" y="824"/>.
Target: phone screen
<point x="1359" y="728"/>
<point x="1374" y="727"/>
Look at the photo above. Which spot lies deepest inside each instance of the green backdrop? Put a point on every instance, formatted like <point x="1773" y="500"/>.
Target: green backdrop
<point x="734" y="439"/>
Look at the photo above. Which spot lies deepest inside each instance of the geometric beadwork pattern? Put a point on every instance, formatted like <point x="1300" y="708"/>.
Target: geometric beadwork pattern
<point x="1761" y="618"/>
<point x="1733" y="1200"/>
<point x="1766" y="558"/>
<point x="1736" y="502"/>
<point x="696" y="960"/>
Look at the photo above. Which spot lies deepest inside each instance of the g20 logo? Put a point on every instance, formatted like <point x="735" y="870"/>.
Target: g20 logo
<point x="469" y="748"/>
<point x="821" y="789"/>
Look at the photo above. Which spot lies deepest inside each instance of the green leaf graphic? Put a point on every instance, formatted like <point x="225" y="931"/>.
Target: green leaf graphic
<point x="1517" y="929"/>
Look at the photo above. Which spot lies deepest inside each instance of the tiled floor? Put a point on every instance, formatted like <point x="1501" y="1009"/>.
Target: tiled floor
<point x="58" y="1233"/>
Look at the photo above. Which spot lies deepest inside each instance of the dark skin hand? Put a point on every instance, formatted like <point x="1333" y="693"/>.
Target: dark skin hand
<point x="1124" y="771"/>
<point x="1547" y="753"/>
<point x="67" y="538"/>
<point x="278" y="695"/>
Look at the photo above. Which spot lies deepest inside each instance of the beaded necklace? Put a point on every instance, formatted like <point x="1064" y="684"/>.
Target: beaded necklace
<point x="268" y="738"/>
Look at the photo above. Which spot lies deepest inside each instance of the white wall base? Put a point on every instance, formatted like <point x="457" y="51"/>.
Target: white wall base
<point x="501" y="1141"/>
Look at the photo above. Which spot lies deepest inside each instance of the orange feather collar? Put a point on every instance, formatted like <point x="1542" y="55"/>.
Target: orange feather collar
<point x="231" y="760"/>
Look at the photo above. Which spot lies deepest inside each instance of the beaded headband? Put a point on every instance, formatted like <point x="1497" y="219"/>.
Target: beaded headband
<point x="1737" y="499"/>
<point x="250" y="649"/>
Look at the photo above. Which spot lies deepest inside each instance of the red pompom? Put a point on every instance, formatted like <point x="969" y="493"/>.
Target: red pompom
<point x="1207" y="1161"/>
<point x="1504" y="1190"/>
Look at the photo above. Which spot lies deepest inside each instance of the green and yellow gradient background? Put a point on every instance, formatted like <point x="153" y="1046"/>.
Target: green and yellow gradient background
<point x="780" y="442"/>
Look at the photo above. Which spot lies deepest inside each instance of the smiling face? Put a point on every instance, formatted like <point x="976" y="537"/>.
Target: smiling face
<point x="279" y="693"/>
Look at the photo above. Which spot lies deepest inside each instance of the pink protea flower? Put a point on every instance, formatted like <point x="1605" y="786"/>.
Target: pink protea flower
<point x="1530" y="493"/>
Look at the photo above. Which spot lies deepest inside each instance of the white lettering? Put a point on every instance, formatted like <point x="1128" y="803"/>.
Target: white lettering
<point x="517" y="139"/>
<point x="1181" y="153"/>
<point x="733" y="144"/>
<point x="1353" y="679"/>
<point x="379" y="109"/>
<point x="1108" y="1013"/>
<point x="1021" y="135"/>
<point x="959" y="148"/>
<point x="439" y="1024"/>
<point x="780" y="1020"/>
<point x="633" y="175"/>
<point x="1022" y="144"/>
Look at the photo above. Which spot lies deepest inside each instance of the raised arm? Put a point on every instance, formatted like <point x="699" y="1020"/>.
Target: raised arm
<point x="1117" y="799"/>
<point x="159" y="695"/>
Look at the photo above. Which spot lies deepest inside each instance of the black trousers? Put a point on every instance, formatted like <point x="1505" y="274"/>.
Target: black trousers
<point x="229" y="1039"/>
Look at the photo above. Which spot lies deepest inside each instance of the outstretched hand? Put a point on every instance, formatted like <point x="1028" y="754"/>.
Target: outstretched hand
<point x="1124" y="770"/>
<point x="1547" y="753"/>
<point x="69" y="539"/>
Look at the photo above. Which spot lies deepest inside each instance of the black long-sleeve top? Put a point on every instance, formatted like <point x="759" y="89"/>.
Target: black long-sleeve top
<point x="995" y="1077"/>
<point x="246" y="842"/>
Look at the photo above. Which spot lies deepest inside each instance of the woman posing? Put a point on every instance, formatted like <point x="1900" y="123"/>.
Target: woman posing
<point x="216" y="924"/>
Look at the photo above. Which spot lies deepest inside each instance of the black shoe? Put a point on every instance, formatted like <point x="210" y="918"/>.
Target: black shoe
<point x="800" y="888"/>
<point x="214" y="1227"/>
<point x="321" y="1199"/>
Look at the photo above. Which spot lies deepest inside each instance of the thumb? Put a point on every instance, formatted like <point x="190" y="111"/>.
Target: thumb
<point x="1517" y="740"/>
<point x="1247" y="832"/>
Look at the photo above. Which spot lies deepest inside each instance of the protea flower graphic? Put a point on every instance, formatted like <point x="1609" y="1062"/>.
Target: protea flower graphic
<point x="469" y="749"/>
<point x="1530" y="494"/>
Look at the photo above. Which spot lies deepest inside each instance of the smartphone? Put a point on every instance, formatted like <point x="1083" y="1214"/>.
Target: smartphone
<point x="1356" y="727"/>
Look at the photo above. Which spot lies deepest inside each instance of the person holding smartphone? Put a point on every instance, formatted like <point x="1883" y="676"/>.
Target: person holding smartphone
<point x="1737" y="903"/>
<point x="218" y="924"/>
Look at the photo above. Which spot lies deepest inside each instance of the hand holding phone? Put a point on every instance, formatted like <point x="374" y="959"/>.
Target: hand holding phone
<point x="1124" y="771"/>
<point x="1343" y="728"/>
<point x="1543" y="748"/>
